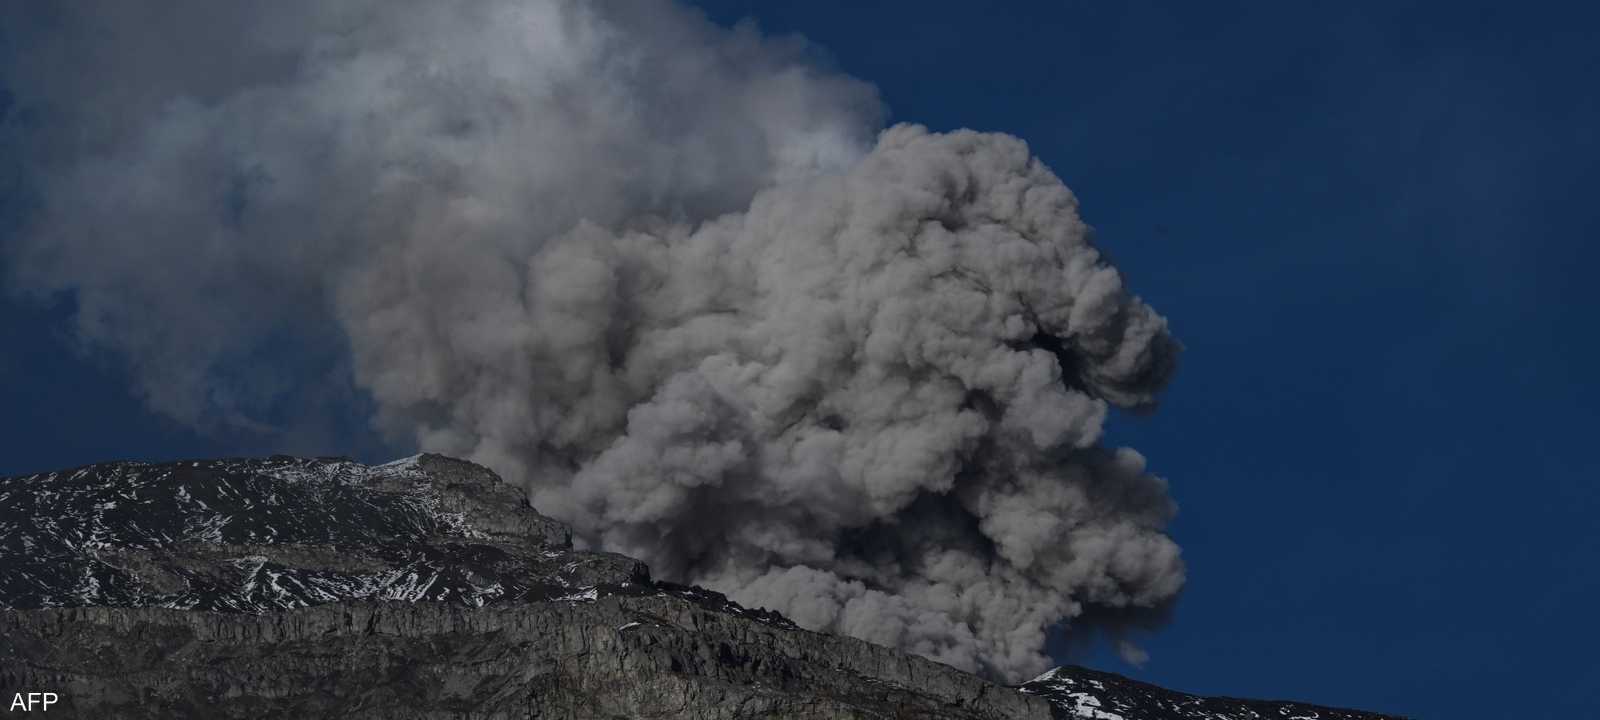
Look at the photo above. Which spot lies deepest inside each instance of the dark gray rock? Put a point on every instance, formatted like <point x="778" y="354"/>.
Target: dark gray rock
<point x="428" y="588"/>
<point x="1078" y="692"/>
<point x="425" y="588"/>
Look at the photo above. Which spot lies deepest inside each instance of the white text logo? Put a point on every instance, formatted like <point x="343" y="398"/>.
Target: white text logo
<point x="32" y="701"/>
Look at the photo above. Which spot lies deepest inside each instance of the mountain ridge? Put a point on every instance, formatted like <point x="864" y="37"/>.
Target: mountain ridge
<point x="1081" y="692"/>
<point x="429" y="588"/>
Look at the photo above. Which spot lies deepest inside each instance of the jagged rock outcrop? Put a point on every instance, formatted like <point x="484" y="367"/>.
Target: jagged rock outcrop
<point x="424" y="588"/>
<point x="428" y="588"/>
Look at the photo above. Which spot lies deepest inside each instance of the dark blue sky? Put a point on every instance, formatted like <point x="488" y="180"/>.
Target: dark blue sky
<point x="1369" y="225"/>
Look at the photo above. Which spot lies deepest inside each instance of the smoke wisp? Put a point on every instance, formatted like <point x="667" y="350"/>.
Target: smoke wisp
<point x="674" y="277"/>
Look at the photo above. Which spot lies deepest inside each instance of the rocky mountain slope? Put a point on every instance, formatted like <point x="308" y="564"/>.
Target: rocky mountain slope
<point x="426" y="588"/>
<point x="1078" y="692"/>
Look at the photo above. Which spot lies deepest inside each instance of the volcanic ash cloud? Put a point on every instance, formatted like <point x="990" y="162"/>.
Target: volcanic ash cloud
<point x="658" y="271"/>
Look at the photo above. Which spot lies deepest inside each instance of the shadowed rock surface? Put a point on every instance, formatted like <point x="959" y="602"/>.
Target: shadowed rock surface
<point x="427" y="588"/>
<point x="1078" y="692"/>
<point x="424" y="588"/>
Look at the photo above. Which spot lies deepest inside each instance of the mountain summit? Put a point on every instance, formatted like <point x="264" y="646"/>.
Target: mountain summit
<point x="428" y="588"/>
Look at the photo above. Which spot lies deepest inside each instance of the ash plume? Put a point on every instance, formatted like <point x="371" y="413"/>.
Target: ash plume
<point x="674" y="278"/>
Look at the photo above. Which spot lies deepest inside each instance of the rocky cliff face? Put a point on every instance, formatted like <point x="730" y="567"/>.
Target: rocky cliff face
<point x="423" y="588"/>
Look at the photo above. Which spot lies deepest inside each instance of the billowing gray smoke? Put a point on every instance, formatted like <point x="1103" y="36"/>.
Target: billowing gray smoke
<point x="669" y="275"/>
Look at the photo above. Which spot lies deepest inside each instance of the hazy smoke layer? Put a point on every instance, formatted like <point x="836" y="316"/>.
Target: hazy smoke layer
<point x="669" y="275"/>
